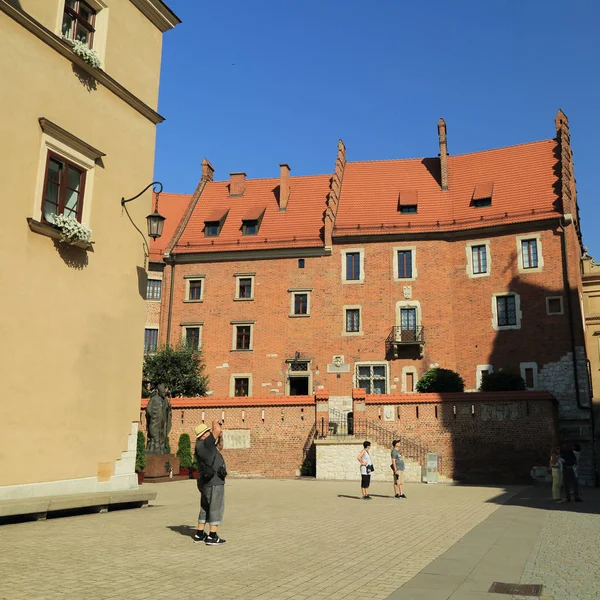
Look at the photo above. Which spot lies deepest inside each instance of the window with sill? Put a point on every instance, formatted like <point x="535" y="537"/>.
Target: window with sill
<point x="352" y="320"/>
<point x="507" y="310"/>
<point x="479" y="259"/>
<point x="153" y="289"/>
<point x="241" y="386"/>
<point x="195" y="289"/>
<point x="530" y="254"/>
<point x="405" y="264"/>
<point x="64" y="187"/>
<point x="353" y="266"/>
<point x="245" y="288"/>
<point x="78" y="22"/>
<point x="372" y="378"/>
<point x="192" y="338"/>
<point x="150" y="340"/>
<point x="301" y="304"/>
<point x="243" y="334"/>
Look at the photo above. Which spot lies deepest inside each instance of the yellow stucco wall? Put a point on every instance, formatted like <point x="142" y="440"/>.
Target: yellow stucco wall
<point x="591" y="306"/>
<point x="72" y="335"/>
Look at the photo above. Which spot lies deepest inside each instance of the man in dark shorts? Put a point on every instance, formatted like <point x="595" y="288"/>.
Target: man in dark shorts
<point x="398" y="468"/>
<point x="211" y="483"/>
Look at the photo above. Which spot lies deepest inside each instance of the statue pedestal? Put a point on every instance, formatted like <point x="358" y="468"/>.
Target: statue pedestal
<point x="155" y="465"/>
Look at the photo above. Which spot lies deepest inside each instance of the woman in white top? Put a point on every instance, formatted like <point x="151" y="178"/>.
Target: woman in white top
<point x="366" y="467"/>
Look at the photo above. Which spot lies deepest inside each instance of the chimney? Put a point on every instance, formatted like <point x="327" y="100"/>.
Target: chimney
<point x="237" y="184"/>
<point x="443" y="153"/>
<point x="284" y="186"/>
<point x="208" y="171"/>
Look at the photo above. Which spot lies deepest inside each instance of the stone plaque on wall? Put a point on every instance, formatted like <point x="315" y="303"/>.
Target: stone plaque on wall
<point x="407" y="291"/>
<point x="338" y="365"/>
<point x="236" y="439"/>
<point x="388" y="413"/>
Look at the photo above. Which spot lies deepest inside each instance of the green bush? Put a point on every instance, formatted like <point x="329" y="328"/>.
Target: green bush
<point x="308" y="468"/>
<point x="440" y="380"/>
<point x="502" y="381"/>
<point x="140" y="455"/>
<point x="185" y="451"/>
<point x="181" y="369"/>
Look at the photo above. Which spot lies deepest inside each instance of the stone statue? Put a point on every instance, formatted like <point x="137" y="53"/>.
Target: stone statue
<point x="158" y="420"/>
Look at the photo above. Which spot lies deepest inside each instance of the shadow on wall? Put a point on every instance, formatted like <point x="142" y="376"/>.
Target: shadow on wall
<point x="536" y="341"/>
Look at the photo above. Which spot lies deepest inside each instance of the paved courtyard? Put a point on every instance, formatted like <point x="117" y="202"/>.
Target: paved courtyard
<point x="286" y="539"/>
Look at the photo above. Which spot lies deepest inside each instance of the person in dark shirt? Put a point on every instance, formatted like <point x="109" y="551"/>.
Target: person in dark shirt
<point x="569" y="478"/>
<point x="211" y="482"/>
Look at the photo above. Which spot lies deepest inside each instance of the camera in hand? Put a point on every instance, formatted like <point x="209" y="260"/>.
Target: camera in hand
<point x="370" y="469"/>
<point x="222" y="472"/>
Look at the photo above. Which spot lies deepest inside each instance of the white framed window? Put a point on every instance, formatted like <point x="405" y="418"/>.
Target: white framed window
<point x="77" y="19"/>
<point x="479" y="258"/>
<point x="191" y="335"/>
<point x="481" y="371"/>
<point x="153" y="289"/>
<point x="554" y="305"/>
<point x="353" y="265"/>
<point x="300" y="302"/>
<point x="194" y="288"/>
<point x="63" y="158"/>
<point x="353" y="324"/>
<point x="408" y="320"/>
<point x="372" y="377"/>
<point x="242" y="336"/>
<point x="244" y="286"/>
<point x="529" y="253"/>
<point x="410" y="377"/>
<point x="240" y="385"/>
<point x="405" y="263"/>
<point x="506" y="311"/>
<point x="529" y="373"/>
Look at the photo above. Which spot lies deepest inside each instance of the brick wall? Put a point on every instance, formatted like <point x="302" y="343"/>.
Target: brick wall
<point x="492" y="437"/>
<point x="281" y="430"/>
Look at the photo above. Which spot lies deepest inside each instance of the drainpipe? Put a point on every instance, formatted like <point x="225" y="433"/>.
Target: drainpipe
<point x="171" y="261"/>
<point x="562" y="223"/>
<point x="566" y="220"/>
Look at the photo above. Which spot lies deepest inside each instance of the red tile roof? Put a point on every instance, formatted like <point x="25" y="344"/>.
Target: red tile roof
<point x="299" y="226"/>
<point x="472" y="397"/>
<point x="523" y="180"/>
<point x="172" y="207"/>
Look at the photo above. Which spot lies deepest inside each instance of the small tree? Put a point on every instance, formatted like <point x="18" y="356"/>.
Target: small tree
<point x="181" y="369"/>
<point x="440" y="380"/>
<point x="185" y="451"/>
<point x="502" y="381"/>
<point x="140" y="455"/>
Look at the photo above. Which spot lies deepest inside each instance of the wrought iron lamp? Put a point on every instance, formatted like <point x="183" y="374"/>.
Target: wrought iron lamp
<point x="155" y="220"/>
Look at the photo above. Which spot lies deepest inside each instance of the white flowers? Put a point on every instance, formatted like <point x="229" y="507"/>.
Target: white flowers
<point x="72" y="230"/>
<point x="90" y="56"/>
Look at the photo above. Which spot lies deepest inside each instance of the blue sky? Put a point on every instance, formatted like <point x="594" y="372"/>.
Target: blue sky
<point x="250" y="85"/>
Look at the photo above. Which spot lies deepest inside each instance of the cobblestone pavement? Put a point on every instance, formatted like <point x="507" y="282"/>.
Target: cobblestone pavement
<point x="286" y="539"/>
<point x="565" y="558"/>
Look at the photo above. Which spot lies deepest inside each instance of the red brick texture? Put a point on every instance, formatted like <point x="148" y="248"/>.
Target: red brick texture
<point x="492" y="437"/>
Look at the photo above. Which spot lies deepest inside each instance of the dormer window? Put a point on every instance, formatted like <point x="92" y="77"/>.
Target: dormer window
<point x="482" y="195"/>
<point x="250" y="227"/>
<point x="214" y="223"/>
<point x="251" y="222"/>
<point x="408" y="202"/>
<point x="409" y="208"/>
<point x="78" y="21"/>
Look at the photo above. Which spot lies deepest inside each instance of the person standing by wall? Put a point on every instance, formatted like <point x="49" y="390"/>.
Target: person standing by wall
<point x="366" y="468"/>
<point x="211" y="483"/>
<point x="556" y="464"/>
<point x="398" y="468"/>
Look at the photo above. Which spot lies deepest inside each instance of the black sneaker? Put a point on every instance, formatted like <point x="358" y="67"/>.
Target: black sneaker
<point x="403" y="496"/>
<point x="213" y="540"/>
<point x="199" y="536"/>
<point x="397" y="496"/>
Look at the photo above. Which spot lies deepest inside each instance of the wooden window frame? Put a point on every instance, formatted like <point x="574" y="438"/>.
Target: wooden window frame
<point x="151" y="295"/>
<point x="528" y="255"/>
<point x="301" y="307"/>
<point x="78" y="19"/>
<point x="406" y="272"/>
<point x="353" y="274"/>
<point x="248" y="339"/>
<point x="186" y="330"/>
<point x="146" y="330"/>
<point x="62" y="187"/>
<point x="476" y="250"/>
<point x="192" y="286"/>
<point x="235" y="387"/>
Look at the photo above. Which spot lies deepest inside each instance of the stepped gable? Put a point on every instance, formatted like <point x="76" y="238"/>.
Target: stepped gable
<point x="296" y="224"/>
<point x="172" y="207"/>
<point x="521" y="180"/>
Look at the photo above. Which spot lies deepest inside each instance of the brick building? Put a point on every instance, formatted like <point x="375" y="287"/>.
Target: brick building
<point x="367" y="277"/>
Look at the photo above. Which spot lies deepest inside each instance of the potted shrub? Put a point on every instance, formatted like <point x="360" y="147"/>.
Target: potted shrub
<point x="184" y="453"/>
<point x="140" y="456"/>
<point x="194" y="469"/>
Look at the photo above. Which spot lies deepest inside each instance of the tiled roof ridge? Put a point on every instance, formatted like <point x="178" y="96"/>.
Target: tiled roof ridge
<point x="450" y="156"/>
<point x="176" y="194"/>
<point x="277" y="178"/>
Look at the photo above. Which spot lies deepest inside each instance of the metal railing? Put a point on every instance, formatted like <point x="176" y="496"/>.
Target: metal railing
<point x="398" y="335"/>
<point x="341" y="425"/>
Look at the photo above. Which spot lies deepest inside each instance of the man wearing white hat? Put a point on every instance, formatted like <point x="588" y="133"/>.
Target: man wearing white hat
<point x="211" y="483"/>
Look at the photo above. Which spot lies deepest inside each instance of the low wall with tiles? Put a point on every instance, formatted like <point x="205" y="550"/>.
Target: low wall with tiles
<point x="481" y="437"/>
<point x="264" y="437"/>
<point x="337" y="459"/>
